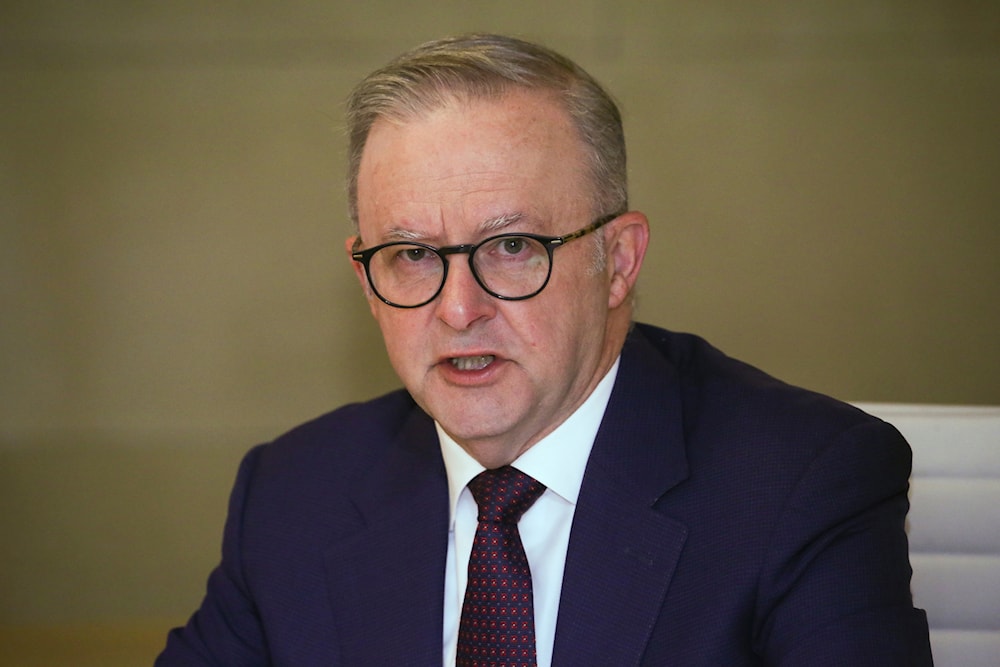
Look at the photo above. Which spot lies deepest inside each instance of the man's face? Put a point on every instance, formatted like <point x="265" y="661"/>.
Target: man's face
<point x="497" y="375"/>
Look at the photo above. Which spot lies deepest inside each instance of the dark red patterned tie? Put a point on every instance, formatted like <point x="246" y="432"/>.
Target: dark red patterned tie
<point x="498" y="620"/>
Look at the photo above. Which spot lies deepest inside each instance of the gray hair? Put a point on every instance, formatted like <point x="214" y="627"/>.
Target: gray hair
<point x="483" y="66"/>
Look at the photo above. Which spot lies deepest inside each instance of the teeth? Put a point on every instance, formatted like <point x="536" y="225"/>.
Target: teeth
<point x="472" y="363"/>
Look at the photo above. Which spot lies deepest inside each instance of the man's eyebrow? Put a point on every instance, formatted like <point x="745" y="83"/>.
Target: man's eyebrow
<point x="500" y="222"/>
<point x="401" y="234"/>
<point x="494" y="225"/>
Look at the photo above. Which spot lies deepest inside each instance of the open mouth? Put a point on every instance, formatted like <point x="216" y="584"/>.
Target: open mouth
<point x="476" y="363"/>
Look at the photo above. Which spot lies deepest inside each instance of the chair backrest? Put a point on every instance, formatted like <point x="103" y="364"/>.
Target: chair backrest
<point x="954" y="526"/>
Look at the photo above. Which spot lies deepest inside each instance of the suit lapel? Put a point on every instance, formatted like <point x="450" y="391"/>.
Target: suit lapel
<point x="622" y="552"/>
<point x="387" y="580"/>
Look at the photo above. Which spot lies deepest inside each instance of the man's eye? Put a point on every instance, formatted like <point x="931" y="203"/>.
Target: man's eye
<point x="513" y="246"/>
<point x="412" y="254"/>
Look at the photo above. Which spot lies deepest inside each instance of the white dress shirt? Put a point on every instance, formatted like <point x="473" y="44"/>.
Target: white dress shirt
<point x="558" y="461"/>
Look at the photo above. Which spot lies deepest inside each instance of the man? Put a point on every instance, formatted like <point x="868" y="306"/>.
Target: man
<point x="685" y="509"/>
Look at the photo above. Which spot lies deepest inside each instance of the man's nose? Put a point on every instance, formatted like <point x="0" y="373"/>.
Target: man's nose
<point x="462" y="301"/>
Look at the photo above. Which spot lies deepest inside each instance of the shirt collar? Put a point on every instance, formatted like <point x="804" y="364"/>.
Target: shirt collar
<point x="558" y="460"/>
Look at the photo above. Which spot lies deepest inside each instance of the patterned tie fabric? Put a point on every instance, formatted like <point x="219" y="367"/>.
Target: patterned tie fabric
<point x="497" y="628"/>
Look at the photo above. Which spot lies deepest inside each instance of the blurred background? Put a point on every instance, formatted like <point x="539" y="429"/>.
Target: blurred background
<point x="822" y="179"/>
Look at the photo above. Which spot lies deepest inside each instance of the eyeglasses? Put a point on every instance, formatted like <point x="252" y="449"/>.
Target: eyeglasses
<point x="512" y="267"/>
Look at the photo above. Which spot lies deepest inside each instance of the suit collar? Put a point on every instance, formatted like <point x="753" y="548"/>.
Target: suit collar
<point x="641" y="439"/>
<point x="622" y="551"/>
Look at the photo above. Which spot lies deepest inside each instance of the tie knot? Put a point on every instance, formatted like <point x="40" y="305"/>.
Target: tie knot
<point x="504" y="494"/>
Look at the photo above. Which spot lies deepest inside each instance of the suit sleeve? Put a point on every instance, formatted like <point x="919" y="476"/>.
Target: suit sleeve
<point x="226" y="629"/>
<point x="835" y="589"/>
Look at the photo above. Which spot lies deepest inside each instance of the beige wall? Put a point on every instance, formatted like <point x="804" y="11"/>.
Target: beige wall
<point x="822" y="179"/>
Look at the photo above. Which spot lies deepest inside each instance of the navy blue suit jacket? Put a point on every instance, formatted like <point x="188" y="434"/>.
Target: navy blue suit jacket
<point x="725" y="519"/>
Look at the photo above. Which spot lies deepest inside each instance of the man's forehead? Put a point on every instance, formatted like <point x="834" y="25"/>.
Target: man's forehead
<point x="472" y="167"/>
<point x="524" y="125"/>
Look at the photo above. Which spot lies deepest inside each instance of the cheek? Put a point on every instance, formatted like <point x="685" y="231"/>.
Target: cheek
<point x="579" y="301"/>
<point x="405" y="335"/>
<point x="395" y="332"/>
<point x="577" y="322"/>
<point x="552" y="329"/>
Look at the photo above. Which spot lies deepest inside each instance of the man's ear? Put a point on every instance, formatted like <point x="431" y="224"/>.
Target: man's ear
<point x="625" y="247"/>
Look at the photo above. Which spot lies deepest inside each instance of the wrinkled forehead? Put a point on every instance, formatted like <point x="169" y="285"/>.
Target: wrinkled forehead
<point x="533" y="115"/>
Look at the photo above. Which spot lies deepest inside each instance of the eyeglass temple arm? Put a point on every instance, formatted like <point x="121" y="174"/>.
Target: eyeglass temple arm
<point x="594" y="226"/>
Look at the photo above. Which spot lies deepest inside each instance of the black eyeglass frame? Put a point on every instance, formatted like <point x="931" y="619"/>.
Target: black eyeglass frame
<point x="550" y="243"/>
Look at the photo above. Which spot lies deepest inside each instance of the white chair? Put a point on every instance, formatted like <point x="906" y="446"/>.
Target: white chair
<point x="954" y="526"/>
